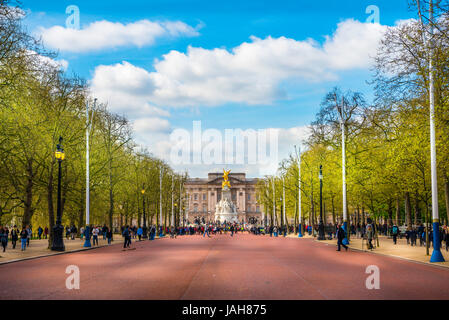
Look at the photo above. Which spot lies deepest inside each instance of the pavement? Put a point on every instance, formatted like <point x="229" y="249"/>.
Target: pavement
<point x="39" y="248"/>
<point x="400" y="250"/>
<point x="222" y="268"/>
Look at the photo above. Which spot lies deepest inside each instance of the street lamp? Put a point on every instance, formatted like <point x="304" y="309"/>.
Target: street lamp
<point x="87" y="243"/>
<point x="436" y="254"/>
<point x="321" y="225"/>
<point x="58" y="243"/>
<point x="299" y="194"/>
<point x="343" y="160"/>
<point x="174" y="221"/>
<point x="144" y="228"/>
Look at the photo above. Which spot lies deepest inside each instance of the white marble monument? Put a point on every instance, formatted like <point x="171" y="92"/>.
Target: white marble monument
<point x="225" y="210"/>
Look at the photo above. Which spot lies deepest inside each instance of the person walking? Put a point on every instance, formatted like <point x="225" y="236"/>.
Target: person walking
<point x="14" y="236"/>
<point x="109" y="235"/>
<point x="24" y="238"/>
<point x="395" y="232"/>
<point x="46" y="232"/>
<point x="30" y="232"/>
<point x="39" y="232"/>
<point x="3" y="238"/>
<point x="370" y="236"/>
<point x="103" y="231"/>
<point x="95" y="232"/>
<point x="232" y="230"/>
<point x="127" y="235"/>
<point x="340" y="236"/>
<point x="139" y="233"/>
<point x="413" y="236"/>
<point x="81" y="233"/>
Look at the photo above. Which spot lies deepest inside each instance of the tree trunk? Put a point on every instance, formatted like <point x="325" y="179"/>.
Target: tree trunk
<point x="333" y="211"/>
<point x="390" y="213"/>
<point x="28" y="204"/>
<point x="363" y="215"/>
<point x="50" y="205"/>
<point x="416" y="209"/>
<point x="408" y="210"/>
<point x="398" y="209"/>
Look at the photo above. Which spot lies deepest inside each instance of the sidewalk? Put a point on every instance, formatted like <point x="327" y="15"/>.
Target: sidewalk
<point x="39" y="248"/>
<point x="401" y="250"/>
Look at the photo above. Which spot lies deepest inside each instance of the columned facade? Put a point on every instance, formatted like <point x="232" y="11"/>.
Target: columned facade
<point x="204" y="194"/>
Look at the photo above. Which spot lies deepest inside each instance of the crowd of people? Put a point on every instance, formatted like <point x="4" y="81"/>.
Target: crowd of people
<point x="14" y="235"/>
<point x="366" y="231"/>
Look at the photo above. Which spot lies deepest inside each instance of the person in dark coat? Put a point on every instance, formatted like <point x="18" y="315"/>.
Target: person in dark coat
<point x="14" y="236"/>
<point x="3" y="238"/>
<point x="340" y="237"/>
<point x="127" y="235"/>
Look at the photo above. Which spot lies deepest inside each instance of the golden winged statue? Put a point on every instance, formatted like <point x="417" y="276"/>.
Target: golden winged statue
<point x="226" y="179"/>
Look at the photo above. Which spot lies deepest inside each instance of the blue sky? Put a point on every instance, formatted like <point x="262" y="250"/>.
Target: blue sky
<point x="292" y="98"/>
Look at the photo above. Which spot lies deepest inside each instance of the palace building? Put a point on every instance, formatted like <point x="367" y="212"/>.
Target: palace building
<point x="204" y="194"/>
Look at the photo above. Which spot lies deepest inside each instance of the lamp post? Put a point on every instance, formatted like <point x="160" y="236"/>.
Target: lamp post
<point x="172" y="203"/>
<point x="144" y="228"/>
<point x="58" y="242"/>
<point x="284" y="227"/>
<point x="343" y="160"/>
<point x="87" y="243"/>
<point x="299" y="195"/>
<point x="274" y="204"/>
<point x="160" y="226"/>
<point x="321" y="225"/>
<point x="436" y="254"/>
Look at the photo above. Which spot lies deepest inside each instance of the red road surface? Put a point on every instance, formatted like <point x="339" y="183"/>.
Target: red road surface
<point x="222" y="267"/>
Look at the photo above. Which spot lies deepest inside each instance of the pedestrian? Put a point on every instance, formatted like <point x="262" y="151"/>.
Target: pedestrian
<point x="95" y="233"/>
<point x="420" y="235"/>
<point x="3" y="238"/>
<point x="232" y="230"/>
<point x="407" y="235"/>
<point x="24" y="238"/>
<point x="39" y="232"/>
<point x="30" y="232"/>
<point x="395" y="232"/>
<point x="139" y="233"/>
<point x="127" y="235"/>
<point x="67" y="232"/>
<point x="109" y="235"/>
<point x="46" y="232"/>
<point x="14" y="236"/>
<point x="340" y="236"/>
<point x="370" y="235"/>
<point x="103" y="231"/>
<point x="413" y="236"/>
<point x="81" y="233"/>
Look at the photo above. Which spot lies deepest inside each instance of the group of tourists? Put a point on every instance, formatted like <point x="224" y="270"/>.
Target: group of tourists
<point x="14" y="235"/>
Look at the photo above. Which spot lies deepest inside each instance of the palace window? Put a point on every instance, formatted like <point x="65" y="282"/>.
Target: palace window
<point x="204" y="196"/>
<point x="195" y="196"/>
<point x="257" y="208"/>
<point x="249" y="197"/>
<point x="195" y="207"/>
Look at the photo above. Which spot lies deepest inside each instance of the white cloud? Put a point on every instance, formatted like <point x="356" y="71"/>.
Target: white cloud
<point x="251" y="73"/>
<point x="106" y="35"/>
<point x="151" y="125"/>
<point x="287" y="138"/>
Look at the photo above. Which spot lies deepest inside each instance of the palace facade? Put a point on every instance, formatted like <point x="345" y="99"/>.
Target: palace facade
<point x="204" y="194"/>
